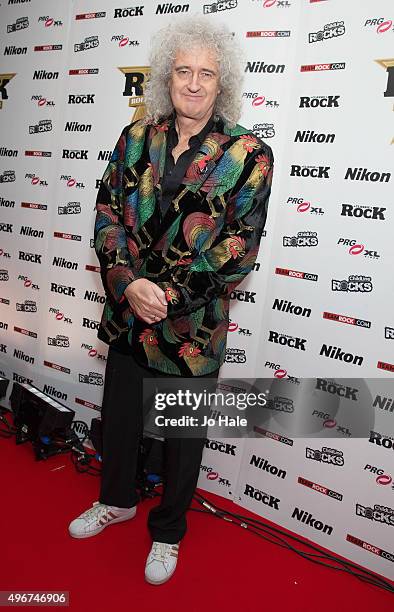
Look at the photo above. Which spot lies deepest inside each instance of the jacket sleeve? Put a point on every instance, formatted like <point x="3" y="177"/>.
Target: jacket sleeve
<point x="110" y="241"/>
<point x="216" y="271"/>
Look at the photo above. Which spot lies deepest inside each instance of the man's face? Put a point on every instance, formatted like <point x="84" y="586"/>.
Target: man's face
<point x="194" y="83"/>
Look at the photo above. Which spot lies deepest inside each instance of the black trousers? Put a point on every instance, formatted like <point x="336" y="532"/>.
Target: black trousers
<point x="122" y="426"/>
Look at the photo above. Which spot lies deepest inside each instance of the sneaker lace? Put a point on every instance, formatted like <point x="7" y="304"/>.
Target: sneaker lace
<point x="97" y="511"/>
<point x="160" y="551"/>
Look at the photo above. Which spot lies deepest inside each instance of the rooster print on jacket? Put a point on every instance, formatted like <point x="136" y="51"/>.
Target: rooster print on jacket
<point x="198" y="252"/>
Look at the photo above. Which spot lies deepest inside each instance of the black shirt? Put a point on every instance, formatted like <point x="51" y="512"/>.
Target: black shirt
<point x="174" y="172"/>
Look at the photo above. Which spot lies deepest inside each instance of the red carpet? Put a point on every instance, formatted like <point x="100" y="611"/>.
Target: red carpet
<point x="221" y="567"/>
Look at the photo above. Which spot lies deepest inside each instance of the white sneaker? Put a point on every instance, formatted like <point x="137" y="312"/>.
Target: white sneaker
<point x="161" y="562"/>
<point x="97" y="518"/>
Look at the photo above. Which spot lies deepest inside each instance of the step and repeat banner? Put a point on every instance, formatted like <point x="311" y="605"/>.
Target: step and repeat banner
<point x="318" y="87"/>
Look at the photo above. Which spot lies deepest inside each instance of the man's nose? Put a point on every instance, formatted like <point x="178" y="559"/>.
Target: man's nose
<point x="194" y="82"/>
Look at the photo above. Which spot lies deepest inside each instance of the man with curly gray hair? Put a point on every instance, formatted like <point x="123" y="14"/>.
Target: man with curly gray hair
<point x="180" y="213"/>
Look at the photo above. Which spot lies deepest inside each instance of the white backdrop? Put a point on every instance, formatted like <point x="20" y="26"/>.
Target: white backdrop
<point x="319" y="87"/>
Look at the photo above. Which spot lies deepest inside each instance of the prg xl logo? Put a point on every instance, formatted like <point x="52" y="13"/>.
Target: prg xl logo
<point x="136" y="78"/>
<point x="355" y="248"/>
<point x="4" y="80"/>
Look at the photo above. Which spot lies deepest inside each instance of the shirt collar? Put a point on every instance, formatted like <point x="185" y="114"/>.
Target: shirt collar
<point x="202" y="134"/>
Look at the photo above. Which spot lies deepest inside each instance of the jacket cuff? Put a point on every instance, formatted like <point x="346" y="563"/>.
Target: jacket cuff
<point x="118" y="278"/>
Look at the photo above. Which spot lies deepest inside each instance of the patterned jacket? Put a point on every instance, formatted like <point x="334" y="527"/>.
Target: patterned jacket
<point x="198" y="252"/>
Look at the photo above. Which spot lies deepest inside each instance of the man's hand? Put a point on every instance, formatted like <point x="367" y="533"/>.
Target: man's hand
<point x="146" y="300"/>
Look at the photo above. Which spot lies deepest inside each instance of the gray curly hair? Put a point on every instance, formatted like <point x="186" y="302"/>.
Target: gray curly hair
<point x="188" y="34"/>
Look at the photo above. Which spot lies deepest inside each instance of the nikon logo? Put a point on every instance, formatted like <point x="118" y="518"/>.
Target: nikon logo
<point x="363" y="174"/>
<point x="45" y="74"/>
<point x="263" y="67"/>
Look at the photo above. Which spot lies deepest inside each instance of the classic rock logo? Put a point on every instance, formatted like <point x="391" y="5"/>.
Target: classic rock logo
<point x="242" y="295"/>
<point x="221" y="447"/>
<point x="302" y="239"/>
<point x="381" y="440"/>
<point x="310" y="171"/>
<point x="330" y="456"/>
<point x="5" y="78"/>
<point x="285" y="340"/>
<point x="339" y="318"/>
<point x="330" y="30"/>
<point x="262" y="496"/>
<point x="378" y="513"/>
<point x="320" y="488"/>
<point x="334" y="388"/>
<point x="359" y="211"/>
<point x="355" y="248"/>
<point x="135" y="81"/>
<point x="355" y="284"/>
<point x="319" y="101"/>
